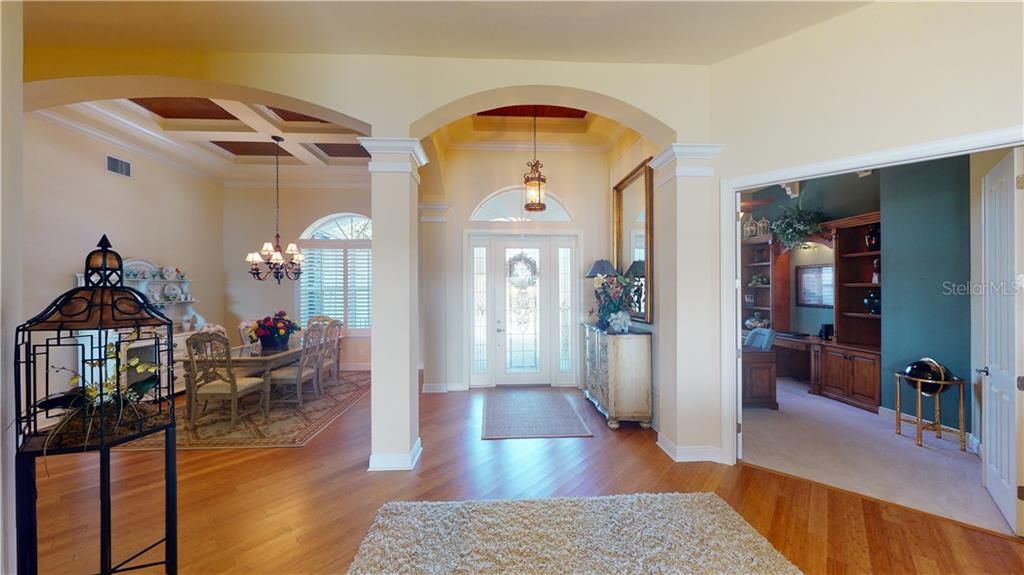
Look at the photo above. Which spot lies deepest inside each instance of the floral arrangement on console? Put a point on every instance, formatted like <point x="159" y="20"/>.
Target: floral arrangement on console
<point x="273" y="331"/>
<point x="614" y="300"/>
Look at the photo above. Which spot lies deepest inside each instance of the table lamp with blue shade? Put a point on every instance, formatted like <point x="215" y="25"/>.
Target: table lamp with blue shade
<point x="636" y="269"/>
<point x="601" y="268"/>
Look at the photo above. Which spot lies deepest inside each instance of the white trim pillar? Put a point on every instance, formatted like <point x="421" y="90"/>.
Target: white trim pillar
<point x="687" y="306"/>
<point x="394" y="365"/>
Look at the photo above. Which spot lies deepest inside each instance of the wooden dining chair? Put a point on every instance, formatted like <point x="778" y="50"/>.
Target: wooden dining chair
<point x="212" y="378"/>
<point x="330" y="354"/>
<point x="306" y="368"/>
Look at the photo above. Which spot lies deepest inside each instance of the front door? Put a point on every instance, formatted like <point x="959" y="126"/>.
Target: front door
<point x="524" y="312"/>
<point x="1002" y="272"/>
<point x="524" y="321"/>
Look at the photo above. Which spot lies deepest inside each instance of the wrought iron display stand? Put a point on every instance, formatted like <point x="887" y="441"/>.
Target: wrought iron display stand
<point x="101" y="324"/>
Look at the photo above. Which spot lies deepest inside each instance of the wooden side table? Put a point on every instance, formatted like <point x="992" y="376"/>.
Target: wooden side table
<point x="936" y="426"/>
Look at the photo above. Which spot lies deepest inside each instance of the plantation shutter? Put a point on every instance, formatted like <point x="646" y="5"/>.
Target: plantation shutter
<point x="311" y="301"/>
<point x="360" y="285"/>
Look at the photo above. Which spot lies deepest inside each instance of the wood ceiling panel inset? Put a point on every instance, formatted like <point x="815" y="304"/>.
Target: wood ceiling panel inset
<point x="289" y="116"/>
<point x="184" y="108"/>
<point x="530" y="110"/>
<point x="344" y="150"/>
<point x="250" y="148"/>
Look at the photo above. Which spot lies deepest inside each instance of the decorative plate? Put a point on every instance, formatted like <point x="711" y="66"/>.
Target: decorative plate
<point x="172" y="292"/>
<point x="168" y="273"/>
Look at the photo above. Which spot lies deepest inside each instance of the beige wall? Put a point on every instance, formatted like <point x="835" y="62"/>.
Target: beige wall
<point x="161" y="213"/>
<point x="248" y="221"/>
<point x="580" y="182"/>
<point x="883" y="76"/>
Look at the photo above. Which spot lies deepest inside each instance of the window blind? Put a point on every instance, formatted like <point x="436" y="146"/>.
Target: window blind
<point x="338" y="283"/>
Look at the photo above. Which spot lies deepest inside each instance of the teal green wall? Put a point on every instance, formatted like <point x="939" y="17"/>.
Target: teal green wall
<point x="926" y="242"/>
<point x="838" y="196"/>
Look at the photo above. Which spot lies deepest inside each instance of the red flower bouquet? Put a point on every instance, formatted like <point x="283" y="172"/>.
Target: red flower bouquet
<point x="273" y="331"/>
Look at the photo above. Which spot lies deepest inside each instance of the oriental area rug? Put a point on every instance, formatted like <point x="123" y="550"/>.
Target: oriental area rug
<point x="287" y="426"/>
<point x="643" y="533"/>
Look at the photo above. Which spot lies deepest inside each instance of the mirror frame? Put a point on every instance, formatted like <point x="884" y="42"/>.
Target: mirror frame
<point x="641" y="171"/>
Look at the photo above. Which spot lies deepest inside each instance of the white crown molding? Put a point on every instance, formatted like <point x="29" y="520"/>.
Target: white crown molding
<point x="523" y="146"/>
<point x="410" y="146"/>
<point x="64" y="122"/>
<point x="685" y="152"/>
<point x="433" y="219"/>
<point x="344" y="184"/>
<point x="434" y="207"/>
<point x="397" y="461"/>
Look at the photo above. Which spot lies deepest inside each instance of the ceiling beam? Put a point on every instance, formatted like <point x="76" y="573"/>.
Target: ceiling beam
<point x="264" y="125"/>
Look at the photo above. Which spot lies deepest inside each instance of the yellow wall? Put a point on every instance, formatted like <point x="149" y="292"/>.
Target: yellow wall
<point x="161" y="213"/>
<point x="883" y="76"/>
<point x="248" y="221"/>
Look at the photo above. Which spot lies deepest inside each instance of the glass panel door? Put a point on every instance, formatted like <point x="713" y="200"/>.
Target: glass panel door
<point x="525" y="313"/>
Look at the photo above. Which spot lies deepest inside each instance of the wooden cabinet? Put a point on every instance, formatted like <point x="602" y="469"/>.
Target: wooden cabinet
<point x="759" y="376"/>
<point x="849" y="375"/>
<point x="765" y="281"/>
<point x="617" y="375"/>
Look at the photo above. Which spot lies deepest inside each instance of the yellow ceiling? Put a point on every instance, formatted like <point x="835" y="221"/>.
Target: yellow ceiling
<point x="659" y="32"/>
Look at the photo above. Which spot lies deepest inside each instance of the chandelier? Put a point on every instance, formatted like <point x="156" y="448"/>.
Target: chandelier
<point x="269" y="261"/>
<point x="534" y="180"/>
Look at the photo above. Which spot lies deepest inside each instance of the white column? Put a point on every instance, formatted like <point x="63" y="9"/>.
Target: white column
<point x="394" y="365"/>
<point x="688" y="327"/>
<point x="10" y="255"/>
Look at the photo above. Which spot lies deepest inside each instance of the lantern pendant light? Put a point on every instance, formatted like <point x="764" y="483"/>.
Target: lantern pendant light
<point x="534" y="180"/>
<point x="269" y="261"/>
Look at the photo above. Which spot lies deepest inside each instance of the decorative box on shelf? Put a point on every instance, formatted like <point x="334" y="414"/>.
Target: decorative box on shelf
<point x="617" y="377"/>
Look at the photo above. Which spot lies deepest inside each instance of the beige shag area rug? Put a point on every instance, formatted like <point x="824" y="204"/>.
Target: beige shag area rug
<point x="644" y="533"/>
<point x="524" y="412"/>
<point x="287" y="426"/>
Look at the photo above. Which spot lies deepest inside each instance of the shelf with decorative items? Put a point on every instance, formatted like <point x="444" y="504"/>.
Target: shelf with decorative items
<point x="858" y="281"/>
<point x="764" y="279"/>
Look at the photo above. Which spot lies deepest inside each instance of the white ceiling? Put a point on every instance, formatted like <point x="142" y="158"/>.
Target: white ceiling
<point x="663" y="32"/>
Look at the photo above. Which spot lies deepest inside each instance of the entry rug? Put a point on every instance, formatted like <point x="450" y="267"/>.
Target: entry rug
<point x="522" y="412"/>
<point x="287" y="426"/>
<point x="643" y="533"/>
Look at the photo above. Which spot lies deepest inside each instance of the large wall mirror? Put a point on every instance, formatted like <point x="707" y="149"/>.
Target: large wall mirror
<point x="632" y="227"/>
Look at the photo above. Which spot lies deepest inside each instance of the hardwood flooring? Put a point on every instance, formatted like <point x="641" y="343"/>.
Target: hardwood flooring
<point x="305" y="510"/>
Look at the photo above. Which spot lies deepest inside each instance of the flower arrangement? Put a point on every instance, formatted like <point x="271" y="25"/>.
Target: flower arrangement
<point x="111" y="398"/>
<point x="273" y="331"/>
<point x="614" y="300"/>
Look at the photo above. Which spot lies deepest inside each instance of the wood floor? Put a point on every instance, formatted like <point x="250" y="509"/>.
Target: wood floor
<point x="305" y="510"/>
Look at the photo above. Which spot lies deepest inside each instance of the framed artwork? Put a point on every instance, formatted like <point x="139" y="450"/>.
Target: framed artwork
<point x="815" y="286"/>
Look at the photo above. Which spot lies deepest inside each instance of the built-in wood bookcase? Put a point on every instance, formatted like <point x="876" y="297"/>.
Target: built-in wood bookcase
<point x="854" y="266"/>
<point x="761" y="255"/>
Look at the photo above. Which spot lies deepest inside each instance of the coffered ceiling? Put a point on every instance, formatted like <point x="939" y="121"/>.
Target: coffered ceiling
<point x="686" y="32"/>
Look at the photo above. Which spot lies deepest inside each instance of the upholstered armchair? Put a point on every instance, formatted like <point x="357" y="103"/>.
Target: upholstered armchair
<point x="211" y="376"/>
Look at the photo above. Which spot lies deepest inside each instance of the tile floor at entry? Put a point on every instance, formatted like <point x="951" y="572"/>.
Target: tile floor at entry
<point x="816" y="438"/>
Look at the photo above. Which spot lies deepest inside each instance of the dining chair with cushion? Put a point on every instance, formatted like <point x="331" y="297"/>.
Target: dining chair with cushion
<point x="305" y="370"/>
<point x="211" y="376"/>
<point x="330" y="351"/>
<point x="243" y="330"/>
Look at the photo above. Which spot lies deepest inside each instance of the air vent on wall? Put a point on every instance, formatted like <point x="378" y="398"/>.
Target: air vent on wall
<point x="119" y="166"/>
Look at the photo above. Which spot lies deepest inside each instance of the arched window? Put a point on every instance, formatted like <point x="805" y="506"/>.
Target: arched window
<point x="506" y="205"/>
<point x="337" y="276"/>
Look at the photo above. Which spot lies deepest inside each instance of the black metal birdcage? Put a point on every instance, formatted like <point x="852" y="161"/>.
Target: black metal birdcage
<point x="94" y="370"/>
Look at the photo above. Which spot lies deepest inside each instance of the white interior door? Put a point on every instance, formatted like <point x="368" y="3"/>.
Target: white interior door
<point x="1003" y="273"/>
<point x="521" y="273"/>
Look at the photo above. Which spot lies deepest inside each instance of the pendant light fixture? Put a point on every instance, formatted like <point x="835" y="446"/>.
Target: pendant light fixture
<point x="269" y="261"/>
<point x="534" y="180"/>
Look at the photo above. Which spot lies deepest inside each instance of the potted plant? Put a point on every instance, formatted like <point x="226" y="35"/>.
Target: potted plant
<point x="614" y="300"/>
<point x="796" y="225"/>
<point x="273" y="332"/>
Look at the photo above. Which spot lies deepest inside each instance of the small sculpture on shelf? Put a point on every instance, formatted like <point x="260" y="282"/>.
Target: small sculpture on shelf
<point x="873" y="302"/>
<point x="873" y="238"/>
<point x="757" y="320"/>
<point x="876" y="277"/>
<point x="758" y="280"/>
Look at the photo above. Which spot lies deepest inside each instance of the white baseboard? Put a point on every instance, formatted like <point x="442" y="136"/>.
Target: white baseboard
<point x="396" y="461"/>
<point x="435" y="388"/>
<point x="355" y="366"/>
<point x="891" y="415"/>
<point x="683" y="453"/>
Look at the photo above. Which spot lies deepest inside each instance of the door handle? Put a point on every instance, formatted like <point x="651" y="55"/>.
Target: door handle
<point x="984" y="371"/>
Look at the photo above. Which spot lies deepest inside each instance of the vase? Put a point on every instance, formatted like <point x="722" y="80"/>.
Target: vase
<point x="274" y="342"/>
<point x="873" y="238"/>
<point x="873" y="302"/>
